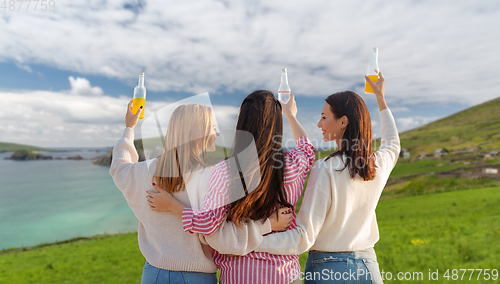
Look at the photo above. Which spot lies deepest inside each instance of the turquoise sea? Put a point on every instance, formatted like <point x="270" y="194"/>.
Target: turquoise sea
<point x="53" y="200"/>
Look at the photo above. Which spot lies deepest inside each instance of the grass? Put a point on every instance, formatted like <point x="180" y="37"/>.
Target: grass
<point x="450" y="230"/>
<point x="429" y="184"/>
<point x="11" y="147"/>
<point x="406" y="168"/>
<point x="103" y="259"/>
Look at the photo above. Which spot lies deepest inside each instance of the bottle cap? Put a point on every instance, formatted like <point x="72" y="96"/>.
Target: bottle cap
<point x="283" y="70"/>
<point x="141" y="74"/>
<point x="375" y="49"/>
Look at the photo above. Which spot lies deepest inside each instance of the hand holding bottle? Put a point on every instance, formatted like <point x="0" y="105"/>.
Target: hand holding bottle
<point x="378" y="89"/>
<point x="372" y="71"/>
<point x="379" y="86"/>
<point x="140" y="96"/>
<point x="131" y="118"/>
<point x="290" y="108"/>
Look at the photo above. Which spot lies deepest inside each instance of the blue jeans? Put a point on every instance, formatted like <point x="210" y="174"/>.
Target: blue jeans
<point x="342" y="267"/>
<point x="154" y="275"/>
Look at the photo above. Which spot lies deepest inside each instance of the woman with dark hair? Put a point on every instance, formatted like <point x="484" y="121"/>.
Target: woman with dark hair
<point x="278" y="179"/>
<point x="337" y="221"/>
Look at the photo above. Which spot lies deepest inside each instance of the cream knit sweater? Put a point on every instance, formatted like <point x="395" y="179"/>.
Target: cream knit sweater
<point x="162" y="240"/>
<point x="337" y="212"/>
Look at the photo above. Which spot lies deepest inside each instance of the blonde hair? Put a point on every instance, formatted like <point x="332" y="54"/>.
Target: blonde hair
<point x="188" y="134"/>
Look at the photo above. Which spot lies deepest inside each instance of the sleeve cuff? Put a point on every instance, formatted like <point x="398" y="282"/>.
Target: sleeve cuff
<point x="303" y="140"/>
<point x="187" y="219"/>
<point x="128" y="133"/>
<point x="385" y="111"/>
<point x="266" y="227"/>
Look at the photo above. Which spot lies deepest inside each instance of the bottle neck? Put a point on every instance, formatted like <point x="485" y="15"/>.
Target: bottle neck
<point x="141" y="81"/>
<point x="375" y="57"/>
<point x="284" y="77"/>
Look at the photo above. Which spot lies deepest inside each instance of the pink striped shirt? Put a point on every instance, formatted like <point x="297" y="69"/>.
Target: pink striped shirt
<point x="255" y="267"/>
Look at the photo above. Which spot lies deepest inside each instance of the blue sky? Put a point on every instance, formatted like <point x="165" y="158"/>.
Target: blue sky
<point x="66" y="76"/>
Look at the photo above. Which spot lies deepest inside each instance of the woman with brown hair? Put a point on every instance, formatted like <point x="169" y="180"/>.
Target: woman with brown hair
<point x="278" y="178"/>
<point x="337" y="221"/>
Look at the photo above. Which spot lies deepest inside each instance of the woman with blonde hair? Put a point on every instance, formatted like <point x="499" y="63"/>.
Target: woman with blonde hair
<point x="172" y="255"/>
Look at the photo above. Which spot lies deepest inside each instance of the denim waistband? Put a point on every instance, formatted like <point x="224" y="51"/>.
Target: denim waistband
<point x="366" y="253"/>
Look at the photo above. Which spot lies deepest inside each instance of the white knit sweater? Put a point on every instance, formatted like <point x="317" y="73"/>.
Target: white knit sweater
<point x="162" y="240"/>
<point x="337" y="212"/>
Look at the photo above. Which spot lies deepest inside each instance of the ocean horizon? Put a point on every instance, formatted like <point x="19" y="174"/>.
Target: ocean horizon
<point x="45" y="201"/>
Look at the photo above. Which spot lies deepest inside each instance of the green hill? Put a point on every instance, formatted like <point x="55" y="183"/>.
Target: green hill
<point x="14" y="147"/>
<point x="452" y="230"/>
<point x="474" y="129"/>
<point x="467" y="139"/>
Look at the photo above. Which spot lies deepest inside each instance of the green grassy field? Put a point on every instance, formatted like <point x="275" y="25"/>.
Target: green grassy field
<point x="429" y="184"/>
<point x="14" y="147"/>
<point x="451" y="230"/>
<point x="406" y="168"/>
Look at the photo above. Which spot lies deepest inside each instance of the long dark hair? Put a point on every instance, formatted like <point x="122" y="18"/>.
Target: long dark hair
<point x="356" y="142"/>
<point x="261" y="116"/>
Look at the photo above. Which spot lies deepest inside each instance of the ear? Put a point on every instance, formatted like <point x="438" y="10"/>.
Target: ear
<point x="345" y="121"/>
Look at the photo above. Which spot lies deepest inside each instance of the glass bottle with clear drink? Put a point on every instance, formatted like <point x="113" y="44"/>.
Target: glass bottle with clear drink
<point x="284" y="89"/>
<point x="370" y="71"/>
<point x="139" y="96"/>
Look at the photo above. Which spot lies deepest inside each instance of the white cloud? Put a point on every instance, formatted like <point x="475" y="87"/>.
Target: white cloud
<point x="430" y="51"/>
<point x="85" y="117"/>
<point x="80" y="117"/>
<point x="407" y="123"/>
<point x="81" y="87"/>
<point x="226" y="116"/>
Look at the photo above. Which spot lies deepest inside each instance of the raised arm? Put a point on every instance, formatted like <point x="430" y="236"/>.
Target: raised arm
<point x="315" y="207"/>
<point x="290" y="111"/>
<point x="390" y="143"/>
<point x="124" y="167"/>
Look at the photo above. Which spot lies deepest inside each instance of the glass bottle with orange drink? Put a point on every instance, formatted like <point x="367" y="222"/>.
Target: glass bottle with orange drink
<point x="139" y="96"/>
<point x="371" y="71"/>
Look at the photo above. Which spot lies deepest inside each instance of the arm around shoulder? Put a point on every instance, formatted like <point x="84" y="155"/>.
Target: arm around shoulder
<point x="239" y="239"/>
<point x="310" y="219"/>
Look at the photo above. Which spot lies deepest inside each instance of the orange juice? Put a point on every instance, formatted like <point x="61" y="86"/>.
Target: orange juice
<point x="368" y="88"/>
<point x="136" y="104"/>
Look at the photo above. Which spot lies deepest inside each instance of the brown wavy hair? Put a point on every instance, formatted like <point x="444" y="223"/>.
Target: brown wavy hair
<point x="356" y="142"/>
<point x="260" y="115"/>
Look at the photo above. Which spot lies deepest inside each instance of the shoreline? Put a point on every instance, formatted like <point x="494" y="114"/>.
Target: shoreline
<point x="56" y="243"/>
